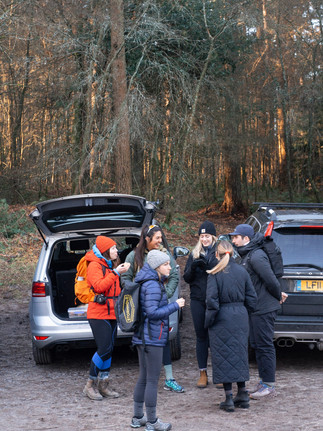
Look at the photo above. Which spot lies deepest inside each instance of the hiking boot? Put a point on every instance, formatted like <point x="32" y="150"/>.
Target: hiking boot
<point x="228" y="404"/>
<point x="104" y="390"/>
<point x="172" y="385"/>
<point x="91" y="391"/>
<point x="158" y="426"/>
<point x="202" y="382"/>
<point x="241" y="400"/>
<point x="219" y="385"/>
<point x="263" y="392"/>
<point x="138" y="422"/>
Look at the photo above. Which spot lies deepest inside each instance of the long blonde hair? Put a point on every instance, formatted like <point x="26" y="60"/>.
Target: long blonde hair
<point x="224" y="251"/>
<point x="198" y="249"/>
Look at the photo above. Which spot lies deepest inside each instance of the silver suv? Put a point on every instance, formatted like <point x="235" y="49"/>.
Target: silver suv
<point x="69" y="227"/>
<point x="298" y="231"/>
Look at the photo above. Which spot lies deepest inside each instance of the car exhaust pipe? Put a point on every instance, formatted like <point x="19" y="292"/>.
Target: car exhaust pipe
<point x="319" y="345"/>
<point x="285" y="342"/>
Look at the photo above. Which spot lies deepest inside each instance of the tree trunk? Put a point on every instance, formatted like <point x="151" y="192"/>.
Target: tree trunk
<point x="119" y="97"/>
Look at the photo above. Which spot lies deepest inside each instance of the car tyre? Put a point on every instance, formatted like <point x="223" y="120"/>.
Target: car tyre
<point x="175" y="347"/>
<point x="42" y="356"/>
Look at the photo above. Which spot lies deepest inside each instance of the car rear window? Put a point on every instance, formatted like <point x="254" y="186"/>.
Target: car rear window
<point x="303" y="246"/>
<point x="90" y="220"/>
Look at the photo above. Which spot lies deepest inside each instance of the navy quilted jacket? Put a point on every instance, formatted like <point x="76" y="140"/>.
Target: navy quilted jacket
<point x="155" y="307"/>
<point x="230" y="296"/>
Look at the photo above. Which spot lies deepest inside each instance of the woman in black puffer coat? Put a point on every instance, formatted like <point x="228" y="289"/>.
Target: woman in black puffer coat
<point x="151" y="341"/>
<point x="230" y="296"/>
<point x="201" y="259"/>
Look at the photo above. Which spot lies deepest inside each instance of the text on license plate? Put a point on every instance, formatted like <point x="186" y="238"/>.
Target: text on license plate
<point x="309" y="285"/>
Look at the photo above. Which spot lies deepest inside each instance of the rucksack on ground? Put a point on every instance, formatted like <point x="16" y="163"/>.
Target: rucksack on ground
<point x="127" y="307"/>
<point x="274" y="255"/>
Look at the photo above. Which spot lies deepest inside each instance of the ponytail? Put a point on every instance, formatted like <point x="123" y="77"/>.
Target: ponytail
<point x="225" y="251"/>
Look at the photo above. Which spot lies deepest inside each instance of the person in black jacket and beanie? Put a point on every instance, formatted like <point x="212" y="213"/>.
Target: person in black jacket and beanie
<point x="201" y="259"/>
<point x="230" y="296"/>
<point x="262" y="320"/>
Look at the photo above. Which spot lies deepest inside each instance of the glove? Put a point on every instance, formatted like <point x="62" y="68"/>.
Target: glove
<point x="199" y="263"/>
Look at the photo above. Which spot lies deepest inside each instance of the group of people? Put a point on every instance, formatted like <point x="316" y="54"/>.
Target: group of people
<point x="231" y="303"/>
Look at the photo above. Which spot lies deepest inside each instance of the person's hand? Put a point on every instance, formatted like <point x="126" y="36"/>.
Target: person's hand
<point x="283" y="297"/>
<point x="123" y="267"/>
<point x="180" y="302"/>
<point x="199" y="263"/>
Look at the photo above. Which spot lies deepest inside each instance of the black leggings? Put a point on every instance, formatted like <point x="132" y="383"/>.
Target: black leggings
<point x="150" y="362"/>
<point x="104" y="333"/>
<point x="202" y="335"/>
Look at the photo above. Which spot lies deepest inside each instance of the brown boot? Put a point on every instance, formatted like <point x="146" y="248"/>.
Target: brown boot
<point x="202" y="382"/>
<point x="91" y="391"/>
<point x="104" y="390"/>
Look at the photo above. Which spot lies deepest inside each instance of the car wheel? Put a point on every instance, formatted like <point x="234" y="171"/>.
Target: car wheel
<point x="175" y="347"/>
<point x="42" y="356"/>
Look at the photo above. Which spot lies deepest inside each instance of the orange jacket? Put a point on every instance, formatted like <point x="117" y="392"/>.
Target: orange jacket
<point x="107" y="284"/>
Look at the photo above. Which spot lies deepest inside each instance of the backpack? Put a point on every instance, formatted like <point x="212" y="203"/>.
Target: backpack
<point x="83" y="293"/>
<point x="127" y="307"/>
<point x="274" y="255"/>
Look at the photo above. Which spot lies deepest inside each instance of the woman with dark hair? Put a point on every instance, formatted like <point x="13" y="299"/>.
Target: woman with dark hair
<point x="103" y="274"/>
<point x="152" y="239"/>
<point x="230" y="295"/>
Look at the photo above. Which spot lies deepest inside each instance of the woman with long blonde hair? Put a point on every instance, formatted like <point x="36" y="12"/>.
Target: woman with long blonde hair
<point x="230" y="295"/>
<point x="201" y="259"/>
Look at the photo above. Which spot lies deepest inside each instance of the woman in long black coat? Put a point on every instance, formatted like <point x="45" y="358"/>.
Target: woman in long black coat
<point x="230" y="295"/>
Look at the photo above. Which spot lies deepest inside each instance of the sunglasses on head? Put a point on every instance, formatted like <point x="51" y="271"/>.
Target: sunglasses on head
<point x="150" y="228"/>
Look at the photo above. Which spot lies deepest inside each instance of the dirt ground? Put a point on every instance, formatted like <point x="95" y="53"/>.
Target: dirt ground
<point x="49" y="397"/>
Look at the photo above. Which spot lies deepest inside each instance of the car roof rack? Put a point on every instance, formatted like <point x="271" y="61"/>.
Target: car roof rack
<point x="272" y="205"/>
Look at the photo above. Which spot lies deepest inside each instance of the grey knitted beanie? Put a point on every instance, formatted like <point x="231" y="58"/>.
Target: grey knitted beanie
<point x="155" y="258"/>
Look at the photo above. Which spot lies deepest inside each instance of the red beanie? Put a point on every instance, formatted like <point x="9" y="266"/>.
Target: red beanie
<point x="103" y="243"/>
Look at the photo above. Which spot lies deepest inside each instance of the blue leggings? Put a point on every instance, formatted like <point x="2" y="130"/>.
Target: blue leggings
<point x="104" y="333"/>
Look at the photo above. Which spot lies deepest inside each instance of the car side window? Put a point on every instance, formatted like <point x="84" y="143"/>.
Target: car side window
<point x="254" y="223"/>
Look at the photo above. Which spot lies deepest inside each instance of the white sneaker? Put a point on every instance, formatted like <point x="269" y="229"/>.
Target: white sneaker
<point x="264" y="391"/>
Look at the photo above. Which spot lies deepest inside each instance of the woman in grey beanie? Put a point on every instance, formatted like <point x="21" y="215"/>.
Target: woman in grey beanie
<point x="151" y="340"/>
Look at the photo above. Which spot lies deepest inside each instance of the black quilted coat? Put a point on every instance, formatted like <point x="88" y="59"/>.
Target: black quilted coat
<point x="230" y="296"/>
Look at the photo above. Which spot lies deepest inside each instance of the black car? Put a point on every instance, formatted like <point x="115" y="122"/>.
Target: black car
<point x="298" y="231"/>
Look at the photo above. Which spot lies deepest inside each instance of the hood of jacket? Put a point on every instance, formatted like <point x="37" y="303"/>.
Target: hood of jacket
<point x="91" y="256"/>
<point x="255" y="242"/>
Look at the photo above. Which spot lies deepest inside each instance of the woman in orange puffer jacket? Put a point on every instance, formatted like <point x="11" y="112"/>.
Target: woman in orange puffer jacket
<point x="103" y="277"/>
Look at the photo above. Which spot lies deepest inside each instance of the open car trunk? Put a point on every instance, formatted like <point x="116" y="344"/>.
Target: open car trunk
<point x="62" y="271"/>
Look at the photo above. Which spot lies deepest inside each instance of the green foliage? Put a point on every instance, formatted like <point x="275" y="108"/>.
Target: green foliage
<point x="13" y="222"/>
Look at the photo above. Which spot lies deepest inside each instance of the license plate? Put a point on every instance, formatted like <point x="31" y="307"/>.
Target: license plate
<point x="309" y="285"/>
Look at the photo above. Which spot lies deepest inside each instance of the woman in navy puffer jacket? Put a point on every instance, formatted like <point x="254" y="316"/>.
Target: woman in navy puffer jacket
<point x="156" y="311"/>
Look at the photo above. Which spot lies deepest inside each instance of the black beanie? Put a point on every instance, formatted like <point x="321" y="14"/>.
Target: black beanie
<point x="207" y="227"/>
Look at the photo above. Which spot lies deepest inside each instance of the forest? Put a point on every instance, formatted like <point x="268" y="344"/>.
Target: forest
<point x="191" y="102"/>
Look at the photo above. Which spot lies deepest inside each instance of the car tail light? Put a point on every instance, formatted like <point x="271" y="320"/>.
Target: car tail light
<point x="38" y="289"/>
<point x="269" y="229"/>
<point x="40" y="338"/>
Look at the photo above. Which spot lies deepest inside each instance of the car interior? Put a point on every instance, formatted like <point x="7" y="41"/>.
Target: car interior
<point x="62" y="270"/>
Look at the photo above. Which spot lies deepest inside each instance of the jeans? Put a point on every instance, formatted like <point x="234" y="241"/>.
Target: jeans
<point x="261" y="340"/>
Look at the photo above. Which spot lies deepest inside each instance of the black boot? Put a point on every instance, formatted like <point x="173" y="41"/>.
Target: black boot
<point x="241" y="400"/>
<point x="228" y="404"/>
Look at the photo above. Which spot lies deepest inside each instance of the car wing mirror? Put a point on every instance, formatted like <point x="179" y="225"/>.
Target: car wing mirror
<point x="180" y="252"/>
